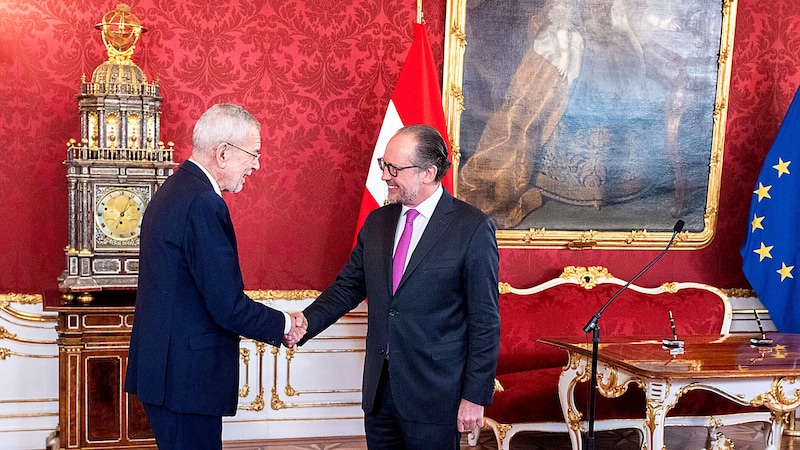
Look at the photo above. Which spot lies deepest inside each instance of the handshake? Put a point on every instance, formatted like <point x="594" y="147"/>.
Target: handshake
<point x="298" y="330"/>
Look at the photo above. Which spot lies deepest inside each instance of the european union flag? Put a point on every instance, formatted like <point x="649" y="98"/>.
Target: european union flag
<point x="771" y="251"/>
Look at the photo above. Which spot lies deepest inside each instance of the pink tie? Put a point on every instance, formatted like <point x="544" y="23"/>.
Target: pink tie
<point x="400" y="254"/>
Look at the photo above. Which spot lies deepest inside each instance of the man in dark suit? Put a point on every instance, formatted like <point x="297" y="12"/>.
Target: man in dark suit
<point x="433" y="341"/>
<point x="190" y="305"/>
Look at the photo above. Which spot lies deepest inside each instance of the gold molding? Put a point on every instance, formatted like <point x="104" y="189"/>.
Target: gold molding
<point x="6" y="353"/>
<point x="455" y="44"/>
<point x="22" y="299"/>
<point x="5" y="334"/>
<point x="6" y="301"/>
<point x="739" y="292"/>
<point x="278" y="294"/>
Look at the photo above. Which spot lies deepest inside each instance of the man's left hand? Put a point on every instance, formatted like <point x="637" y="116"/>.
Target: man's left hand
<point x="470" y="416"/>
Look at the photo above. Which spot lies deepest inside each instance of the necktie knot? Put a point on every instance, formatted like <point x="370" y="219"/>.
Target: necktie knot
<point x="411" y="214"/>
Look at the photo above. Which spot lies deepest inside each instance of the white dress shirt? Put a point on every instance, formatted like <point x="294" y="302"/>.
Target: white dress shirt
<point x="425" y="210"/>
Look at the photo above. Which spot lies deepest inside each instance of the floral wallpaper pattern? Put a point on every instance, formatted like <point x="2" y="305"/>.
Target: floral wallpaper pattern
<point x="318" y="75"/>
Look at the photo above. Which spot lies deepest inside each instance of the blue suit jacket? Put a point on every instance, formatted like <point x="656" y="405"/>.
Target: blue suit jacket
<point x="190" y="305"/>
<point x="442" y="324"/>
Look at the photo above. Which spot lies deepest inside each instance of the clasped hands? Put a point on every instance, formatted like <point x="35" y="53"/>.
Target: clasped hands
<point x="298" y="330"/>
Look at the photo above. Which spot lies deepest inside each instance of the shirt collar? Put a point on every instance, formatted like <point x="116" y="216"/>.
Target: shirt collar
<point x="428" y="205"/>
<point x="210" y="178"/>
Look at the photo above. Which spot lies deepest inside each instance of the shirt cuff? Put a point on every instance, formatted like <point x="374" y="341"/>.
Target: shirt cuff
<point x="287" y="324"/>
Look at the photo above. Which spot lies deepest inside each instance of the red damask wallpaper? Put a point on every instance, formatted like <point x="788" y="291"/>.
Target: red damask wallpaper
<point x="318" y="75"/>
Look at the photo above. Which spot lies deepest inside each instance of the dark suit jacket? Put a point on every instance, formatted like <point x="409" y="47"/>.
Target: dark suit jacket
<point x="442" y="324"/>
<point x="190" y="304"/>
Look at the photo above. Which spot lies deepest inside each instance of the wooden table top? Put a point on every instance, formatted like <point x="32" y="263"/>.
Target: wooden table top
<point x="703" y="356"/>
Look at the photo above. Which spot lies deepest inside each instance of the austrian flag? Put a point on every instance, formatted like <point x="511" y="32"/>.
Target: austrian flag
<point x="416" y="99"/>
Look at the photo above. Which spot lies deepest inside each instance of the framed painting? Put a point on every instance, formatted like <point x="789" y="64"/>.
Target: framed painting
<point x="590" y="123"/>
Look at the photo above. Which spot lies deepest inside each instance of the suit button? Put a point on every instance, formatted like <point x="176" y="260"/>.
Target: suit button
<point x="381" y="352"/>
<point x="392" y="313"/>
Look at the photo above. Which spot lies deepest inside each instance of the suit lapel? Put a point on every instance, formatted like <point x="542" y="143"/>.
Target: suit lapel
<point x="442" y="216"/>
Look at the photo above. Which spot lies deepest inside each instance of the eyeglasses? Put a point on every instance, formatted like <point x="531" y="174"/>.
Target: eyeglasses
<point x="393" y="170"/>
<point x="254" y="155"/>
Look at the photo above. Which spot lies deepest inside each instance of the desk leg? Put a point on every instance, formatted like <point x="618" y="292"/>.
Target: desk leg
<point x="778" y="421"/>
<point x="658" y="395"/>
<point x="576" y="371"/>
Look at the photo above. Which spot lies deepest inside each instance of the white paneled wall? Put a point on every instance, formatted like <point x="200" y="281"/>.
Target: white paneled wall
<point x="311" y="391"/>
<point x="28" y="373"/>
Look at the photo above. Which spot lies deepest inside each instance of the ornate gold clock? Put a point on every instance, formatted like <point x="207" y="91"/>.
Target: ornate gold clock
<point x="119" y="213"/>
<point x="115" y="168"/>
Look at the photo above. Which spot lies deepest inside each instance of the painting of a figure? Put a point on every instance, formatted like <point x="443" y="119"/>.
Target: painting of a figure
<point x="589" y="114"/>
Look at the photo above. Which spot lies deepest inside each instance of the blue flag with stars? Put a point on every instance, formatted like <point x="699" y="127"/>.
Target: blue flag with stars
<point x="771" y="251"/>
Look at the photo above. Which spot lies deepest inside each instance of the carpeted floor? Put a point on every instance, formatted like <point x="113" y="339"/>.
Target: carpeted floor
<point x="744" y="437"/>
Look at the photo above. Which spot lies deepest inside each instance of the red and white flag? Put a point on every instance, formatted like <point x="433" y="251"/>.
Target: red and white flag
<point x="417" y="99"/>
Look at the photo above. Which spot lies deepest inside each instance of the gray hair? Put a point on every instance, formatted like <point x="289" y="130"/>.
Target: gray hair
<point x="223" y="122"/>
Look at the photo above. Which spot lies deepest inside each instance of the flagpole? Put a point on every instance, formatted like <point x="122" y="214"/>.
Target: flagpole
<point x="419" y="11"/>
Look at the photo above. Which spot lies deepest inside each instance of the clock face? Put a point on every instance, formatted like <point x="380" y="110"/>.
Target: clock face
<point x="119" y="214"/>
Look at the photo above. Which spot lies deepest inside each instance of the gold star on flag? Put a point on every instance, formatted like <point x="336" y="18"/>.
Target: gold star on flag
<point x="762" y="191"/>
<point x="785" y="271"/>
<point x="763" y="252"/>
<point x="756" y="223"/>
<point x="782" y="167"/>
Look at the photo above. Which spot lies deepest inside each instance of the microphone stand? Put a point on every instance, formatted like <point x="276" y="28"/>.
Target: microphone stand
<point x="595" y="329"/>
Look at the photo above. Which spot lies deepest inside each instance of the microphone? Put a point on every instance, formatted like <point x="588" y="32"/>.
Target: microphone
<point x="674" y="345"/>
<point x="592" y="324"/>
<point x="763" y="341"/>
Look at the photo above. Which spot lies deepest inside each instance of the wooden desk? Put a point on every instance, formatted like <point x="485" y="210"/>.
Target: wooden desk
<point x="726" y="365"/>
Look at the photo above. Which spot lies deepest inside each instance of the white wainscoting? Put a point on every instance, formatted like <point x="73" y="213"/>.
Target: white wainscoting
<point x="744" y="319"/>
<point x="28" y="373"/>
<point x="312" y="391"/>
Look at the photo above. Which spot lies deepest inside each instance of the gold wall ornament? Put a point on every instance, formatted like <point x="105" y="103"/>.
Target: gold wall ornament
<point x="278" y="294"/>
<point x="244" y="391"/>
<point x="5" y="334"/>
<point x="6" y="306"/>
<point x="257" y="404"/>
<point x="275" y="402"/>
<point x="22" y="299"/>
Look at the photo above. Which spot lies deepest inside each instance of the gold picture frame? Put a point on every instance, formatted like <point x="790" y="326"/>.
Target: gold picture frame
<point x="599" y="123"/>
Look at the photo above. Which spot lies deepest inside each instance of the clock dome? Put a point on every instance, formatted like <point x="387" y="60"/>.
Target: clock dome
<point x="119" y="78"/>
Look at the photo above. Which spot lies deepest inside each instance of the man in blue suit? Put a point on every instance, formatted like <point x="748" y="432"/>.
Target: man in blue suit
<point x="190" y="305"/>
<point x="433" y="340"/>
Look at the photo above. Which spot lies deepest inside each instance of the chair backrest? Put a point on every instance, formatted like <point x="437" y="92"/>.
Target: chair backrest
<point x="561" y="307"/>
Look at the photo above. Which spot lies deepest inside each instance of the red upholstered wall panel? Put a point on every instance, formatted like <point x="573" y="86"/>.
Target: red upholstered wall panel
<point x="318" y="75"/>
